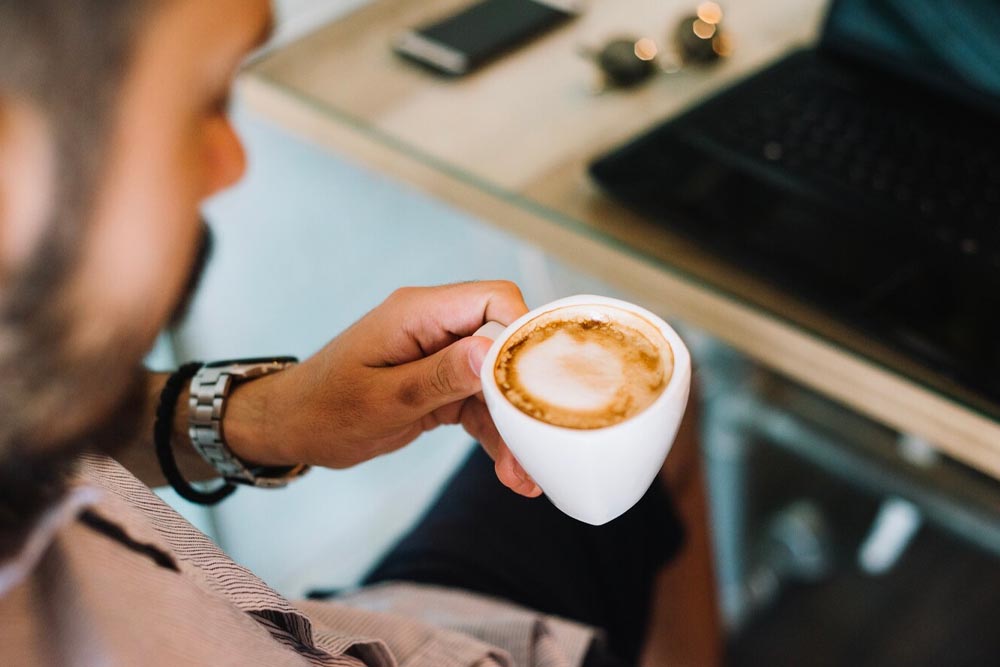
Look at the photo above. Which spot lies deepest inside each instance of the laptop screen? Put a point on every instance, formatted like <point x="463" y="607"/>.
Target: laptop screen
<point x="952" y="46"/>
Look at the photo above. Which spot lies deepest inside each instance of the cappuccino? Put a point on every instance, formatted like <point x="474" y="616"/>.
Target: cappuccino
<point x="584" y="367"/>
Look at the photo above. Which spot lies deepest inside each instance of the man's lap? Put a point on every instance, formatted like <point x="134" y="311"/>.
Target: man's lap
<point x="481" y="537"/>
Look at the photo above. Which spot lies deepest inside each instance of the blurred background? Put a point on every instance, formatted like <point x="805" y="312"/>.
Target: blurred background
<point x="838" y="539"/>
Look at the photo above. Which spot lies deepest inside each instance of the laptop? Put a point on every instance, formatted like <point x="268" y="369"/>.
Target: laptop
<point x="862" y="175"/>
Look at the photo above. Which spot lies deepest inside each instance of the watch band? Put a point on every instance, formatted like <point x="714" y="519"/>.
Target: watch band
<point x="210" y="388"/>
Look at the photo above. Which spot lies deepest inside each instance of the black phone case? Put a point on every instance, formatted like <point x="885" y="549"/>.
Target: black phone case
<point x="490" y="28"/>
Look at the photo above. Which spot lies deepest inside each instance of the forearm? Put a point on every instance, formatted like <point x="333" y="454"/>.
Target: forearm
<point x="139" y="456"/>
<point x="245" y="425"/>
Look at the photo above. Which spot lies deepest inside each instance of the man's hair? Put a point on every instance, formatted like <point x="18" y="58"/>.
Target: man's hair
<point x="67" y="59"/>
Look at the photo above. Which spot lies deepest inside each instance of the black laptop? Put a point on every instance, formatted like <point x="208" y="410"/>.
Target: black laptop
<point x="862" y="175"/>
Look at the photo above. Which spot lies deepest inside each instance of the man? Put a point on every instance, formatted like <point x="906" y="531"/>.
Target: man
<point x="113" y="129"/>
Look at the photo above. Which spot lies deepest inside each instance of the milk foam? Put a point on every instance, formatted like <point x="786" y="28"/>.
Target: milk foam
<point x="571" y="374"/>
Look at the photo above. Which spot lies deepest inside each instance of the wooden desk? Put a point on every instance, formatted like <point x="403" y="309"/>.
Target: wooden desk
<point x="510" y="144"/>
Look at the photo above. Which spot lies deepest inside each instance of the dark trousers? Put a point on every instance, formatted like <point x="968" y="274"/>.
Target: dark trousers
<point x="480" y="536"/>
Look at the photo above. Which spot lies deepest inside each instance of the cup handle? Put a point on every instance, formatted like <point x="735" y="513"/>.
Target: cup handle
<point x="491" y="330"/>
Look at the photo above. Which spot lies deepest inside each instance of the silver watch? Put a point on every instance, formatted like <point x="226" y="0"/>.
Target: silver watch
<point x="210" y="389"/>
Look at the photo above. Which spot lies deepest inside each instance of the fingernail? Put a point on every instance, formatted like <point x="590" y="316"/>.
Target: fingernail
<point x="529" y="489"/>
<point x="476" y="356"/>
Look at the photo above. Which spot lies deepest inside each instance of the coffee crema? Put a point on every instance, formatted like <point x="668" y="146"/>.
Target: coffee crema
<point x="584" y="367"/>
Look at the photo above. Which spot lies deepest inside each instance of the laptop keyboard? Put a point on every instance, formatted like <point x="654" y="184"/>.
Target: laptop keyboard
<point x="872" y="200"/>
<point x="934" y="172"/>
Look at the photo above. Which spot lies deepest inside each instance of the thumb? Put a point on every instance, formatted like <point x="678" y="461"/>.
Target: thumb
<point x="450" y="375"/>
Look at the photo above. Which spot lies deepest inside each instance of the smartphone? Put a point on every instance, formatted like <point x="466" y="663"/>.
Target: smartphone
<point x="462" y="42"/>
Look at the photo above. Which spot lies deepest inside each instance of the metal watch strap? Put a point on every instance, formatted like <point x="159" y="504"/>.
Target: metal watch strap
<point x="210" y="389"/>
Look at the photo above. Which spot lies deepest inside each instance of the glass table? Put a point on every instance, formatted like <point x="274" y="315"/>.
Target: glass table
<point x="511" y="144"/>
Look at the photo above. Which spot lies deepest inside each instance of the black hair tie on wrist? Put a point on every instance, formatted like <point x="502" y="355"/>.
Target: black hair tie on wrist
<point x="163" y="429"/>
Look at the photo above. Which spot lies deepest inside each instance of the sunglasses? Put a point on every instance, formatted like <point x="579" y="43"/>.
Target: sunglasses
<point x="698" y="39"/>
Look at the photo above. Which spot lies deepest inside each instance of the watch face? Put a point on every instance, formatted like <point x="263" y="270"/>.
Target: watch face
<point x="252" y="362"/>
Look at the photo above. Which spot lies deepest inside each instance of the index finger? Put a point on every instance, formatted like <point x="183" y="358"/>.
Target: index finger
<point x="420" y="321"/>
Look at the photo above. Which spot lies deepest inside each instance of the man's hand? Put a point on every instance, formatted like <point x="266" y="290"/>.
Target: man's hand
<point x="406" y="367"/>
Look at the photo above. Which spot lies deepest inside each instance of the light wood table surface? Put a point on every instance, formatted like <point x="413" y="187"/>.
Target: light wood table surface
<point x="511" y="143"/>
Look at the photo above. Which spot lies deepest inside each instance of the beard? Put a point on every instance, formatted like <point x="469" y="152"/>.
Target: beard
<point x="33" y="479"/>
<point x="206" y="245"/>
<point x="44" y="384"/>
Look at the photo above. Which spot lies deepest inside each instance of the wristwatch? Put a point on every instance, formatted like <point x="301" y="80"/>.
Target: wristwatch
<point x="210" y="388"/>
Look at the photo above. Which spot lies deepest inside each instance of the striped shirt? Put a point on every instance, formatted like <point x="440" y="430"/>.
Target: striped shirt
<point x="114" y="576"/>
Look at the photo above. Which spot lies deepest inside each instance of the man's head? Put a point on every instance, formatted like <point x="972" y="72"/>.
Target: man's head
<point x="113" y="130"/>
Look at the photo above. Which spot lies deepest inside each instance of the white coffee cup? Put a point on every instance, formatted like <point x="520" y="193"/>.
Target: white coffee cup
<point x="593" y="475"/>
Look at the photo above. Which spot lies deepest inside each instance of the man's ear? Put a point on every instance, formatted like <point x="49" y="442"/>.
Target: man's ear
<point x="27" y="181"/>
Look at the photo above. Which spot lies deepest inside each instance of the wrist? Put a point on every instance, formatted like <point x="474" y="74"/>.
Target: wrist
<point x="191" y="465"/>
<point x="248" y="424"/>
<point x="180" y="438"/>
